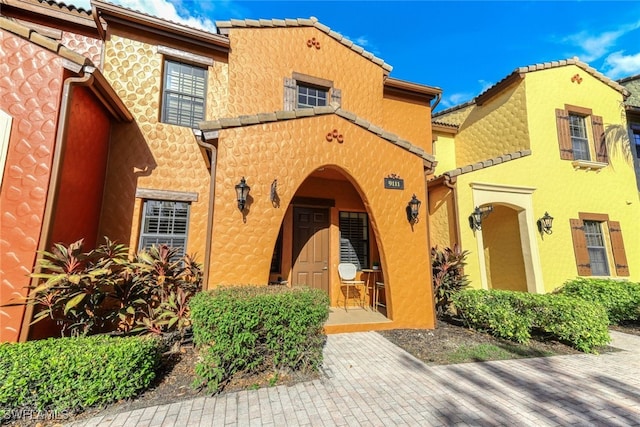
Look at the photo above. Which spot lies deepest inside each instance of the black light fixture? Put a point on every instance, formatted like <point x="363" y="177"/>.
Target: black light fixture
<point x="478" y="214"/>
<point x="413" y="209"/>
<point x="242" y="191"/>
<point x="545" y="223"/>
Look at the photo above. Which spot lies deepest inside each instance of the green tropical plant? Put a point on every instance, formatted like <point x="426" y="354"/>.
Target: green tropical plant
<point x="447" y="267"/>
<point x="102" y="289"/>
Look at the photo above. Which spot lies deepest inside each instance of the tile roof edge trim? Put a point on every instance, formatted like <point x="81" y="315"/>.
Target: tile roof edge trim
<point x="279" y="116"/>
<point x="224" y="26"/>
<point x="483" y="164"/>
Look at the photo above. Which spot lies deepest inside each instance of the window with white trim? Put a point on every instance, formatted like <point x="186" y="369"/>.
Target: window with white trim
<point x="183" y="95"/>
<point x="579" y="140"/>
<point x="164" y="222"/>
<point x="596" y="248"/>
<point x="581" y="135"/>
<point x="354" y="238"/>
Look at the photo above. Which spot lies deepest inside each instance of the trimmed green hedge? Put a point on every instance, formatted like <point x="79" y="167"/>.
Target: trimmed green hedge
<point x="257" y="329"/>
<point x="69" y="374"/>
<point x="621" y="299"/>
<point x="513" y="315"/>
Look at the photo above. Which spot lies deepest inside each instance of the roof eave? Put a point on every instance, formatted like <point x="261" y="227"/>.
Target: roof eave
<point x="152" y="24"/>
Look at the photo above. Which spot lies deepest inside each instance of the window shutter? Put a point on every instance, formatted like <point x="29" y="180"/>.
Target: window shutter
<point x="599" y="139"/>
<point x="289" y="94"/>
<point x="336" y="96"/>
<point x="580" y="247"/>
<point x="617" y="247"/>
<point x="564" y="135"/>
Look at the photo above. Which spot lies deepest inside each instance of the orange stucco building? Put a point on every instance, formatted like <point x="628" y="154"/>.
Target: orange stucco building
<point x="332" y="148"/>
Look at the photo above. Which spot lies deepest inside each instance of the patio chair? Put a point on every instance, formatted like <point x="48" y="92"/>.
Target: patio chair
<point x="347" y="272"/>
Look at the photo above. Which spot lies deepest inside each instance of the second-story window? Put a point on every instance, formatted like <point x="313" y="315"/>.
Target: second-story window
<point x="309" y="96"/>
<point x="579" y="140"/>
<point x="183" y="95"/>
<point x="576" y="140"/>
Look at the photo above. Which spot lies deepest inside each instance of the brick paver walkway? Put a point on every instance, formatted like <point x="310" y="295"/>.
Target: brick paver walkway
<point x="371" y="382"/>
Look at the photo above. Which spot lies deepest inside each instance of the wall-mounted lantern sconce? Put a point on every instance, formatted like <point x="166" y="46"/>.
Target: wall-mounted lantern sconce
<point x="545" y="223"/>
<point x="413" y="209"/>
<point x="478" y="214"/>
<point x="242" y="191"/>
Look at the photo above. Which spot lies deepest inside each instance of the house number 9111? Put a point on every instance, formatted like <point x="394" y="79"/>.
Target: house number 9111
<point x="394" y="183"/>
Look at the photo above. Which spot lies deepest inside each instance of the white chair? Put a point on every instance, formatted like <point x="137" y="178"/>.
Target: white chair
<point x="347" y="272"/>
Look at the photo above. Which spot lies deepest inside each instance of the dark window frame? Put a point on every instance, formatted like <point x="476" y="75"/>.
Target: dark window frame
<point x="159" y="222"/>
<point x="355" y="238"/>
<point x="186" y="104"/>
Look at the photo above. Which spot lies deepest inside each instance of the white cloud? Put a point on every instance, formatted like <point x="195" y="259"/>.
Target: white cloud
<point x="620" y="65"/>
<point x="160" y="8"/>
<point x="485" y="85"/>
<point x="455" y="99"/>
<point x="595" y="46"/>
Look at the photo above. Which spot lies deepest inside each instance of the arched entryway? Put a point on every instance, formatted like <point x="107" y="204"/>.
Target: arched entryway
<point x="326" y="223"/>
<point x="502" y="246"/>
<point x="506" y="244"/>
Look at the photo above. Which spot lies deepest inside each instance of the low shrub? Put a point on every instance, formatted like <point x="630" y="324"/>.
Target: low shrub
<point x="70" y="374"/>
<point x="621" y="299"/>
<point x="249" y="329"/>
<point x="514" y="315"/>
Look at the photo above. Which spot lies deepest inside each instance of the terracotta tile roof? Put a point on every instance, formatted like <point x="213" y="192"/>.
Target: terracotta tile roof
<point x="216" y="125"/>
<point x="43" y="41"/>
<point x="224" y="26"/>
<point x="521" y="71"/>
<point x="486" y="163"/>
<point x="65" y="7"/>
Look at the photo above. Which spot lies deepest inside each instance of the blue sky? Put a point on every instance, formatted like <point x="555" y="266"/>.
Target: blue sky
<point x="461" y="47"/>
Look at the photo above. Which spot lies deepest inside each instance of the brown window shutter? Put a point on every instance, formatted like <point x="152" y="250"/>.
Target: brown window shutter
<point x="290" y="101"/>
<point x="564" y="136"/>
<point x="617" y="246"/>
<point x="336" y="96"/>
<point x="599" y="139"/>
<point x="580" y="247"/>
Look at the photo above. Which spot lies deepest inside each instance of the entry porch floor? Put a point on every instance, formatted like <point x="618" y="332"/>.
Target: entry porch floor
<point x="355" y="316"/>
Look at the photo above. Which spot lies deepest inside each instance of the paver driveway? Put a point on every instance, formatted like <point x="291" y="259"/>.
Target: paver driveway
<point x="371" y="382"/>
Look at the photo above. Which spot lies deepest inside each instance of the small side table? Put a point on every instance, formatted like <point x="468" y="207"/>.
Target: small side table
<point x="370" y="283"/>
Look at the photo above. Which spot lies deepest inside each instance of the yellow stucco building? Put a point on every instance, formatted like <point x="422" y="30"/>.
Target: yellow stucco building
<point x="549" y="140"/>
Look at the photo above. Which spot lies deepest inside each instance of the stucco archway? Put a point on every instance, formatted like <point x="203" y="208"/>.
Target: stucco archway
<point x="519" y="200"/>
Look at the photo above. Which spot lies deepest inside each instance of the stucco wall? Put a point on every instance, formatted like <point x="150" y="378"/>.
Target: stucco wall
<point x="497" y="127"/>
<point x="290" y="151"/>
<point x="31" y="88"/>
<point x="408" y="119"/>
<point x="261" y="58"/>
<point x="81" y="184"/>
<point x="150" y="154"/>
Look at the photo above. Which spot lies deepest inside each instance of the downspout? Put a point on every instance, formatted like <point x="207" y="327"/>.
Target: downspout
<point x="451" y="183"/>
<point x="52" y="191"/>
<point x="212" y="149"/>
<point x="438" y="98"/>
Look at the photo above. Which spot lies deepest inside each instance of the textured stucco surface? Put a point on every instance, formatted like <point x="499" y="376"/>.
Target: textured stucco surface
<point x="87" y="46"/>
<point x="559" y="188"/>
<point x="79" y="196"/>
<point x="30" y="83"/>
<point x="497" y="127"/>
<point x="153" y="155"/>
<point x="409" y="120"/>
<point x="290" y="151"/>
<point x="633" y="86"/>
<point x="261" y="58"/>
<point x="149" y="154"/>
<point x="441" y="217"/>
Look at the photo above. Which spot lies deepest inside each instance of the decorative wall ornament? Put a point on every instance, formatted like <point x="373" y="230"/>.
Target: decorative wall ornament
<point x="576" y="79"/>
<point x="313" y="42"/>
<point x="334" y="134"/>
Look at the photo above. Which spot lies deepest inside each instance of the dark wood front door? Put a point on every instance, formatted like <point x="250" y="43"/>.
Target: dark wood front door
<point x="311" y="247"/>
